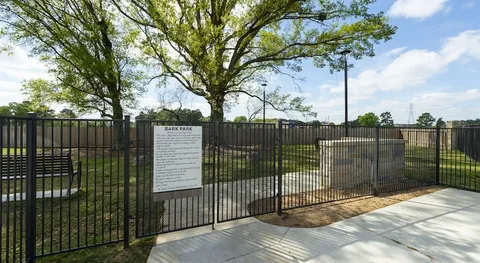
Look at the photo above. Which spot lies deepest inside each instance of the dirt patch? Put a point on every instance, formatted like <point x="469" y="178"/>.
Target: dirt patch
<point x="328" y="213"/>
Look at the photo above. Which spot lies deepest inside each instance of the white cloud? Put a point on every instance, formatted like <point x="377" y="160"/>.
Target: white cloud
<point x="466" y="43"/>
<point x="20" y="66"/>
<point x="419" y="9"/>
<point x="445" y="100"/>
<point x="10" y="92"/>
<point x="412" y="68"/>
<point x="394" y="52"/>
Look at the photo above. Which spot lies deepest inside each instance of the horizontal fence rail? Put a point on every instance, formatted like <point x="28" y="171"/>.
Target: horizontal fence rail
<point x="69" y="184"/>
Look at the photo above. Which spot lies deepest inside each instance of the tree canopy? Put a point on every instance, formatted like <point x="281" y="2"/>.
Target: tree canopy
<point x="170" y="115"/>
<point x="425" y="120"/>
<point x="21" y="109"/>
<point x="475" y="122"/>
<point x="216" y="49"/>
<point x="87" y="47"/>
<point x="267" y="120"/>
<point x="368" y="119"/>
<point x="386" y="119"/>
<point x="440" y="123"/>
<point x="240" y="119"/>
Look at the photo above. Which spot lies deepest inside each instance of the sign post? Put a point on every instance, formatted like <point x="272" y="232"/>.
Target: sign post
<point x="177" y="163"/>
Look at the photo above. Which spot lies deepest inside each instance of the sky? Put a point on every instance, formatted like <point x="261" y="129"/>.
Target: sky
<point x="432" y="62"/>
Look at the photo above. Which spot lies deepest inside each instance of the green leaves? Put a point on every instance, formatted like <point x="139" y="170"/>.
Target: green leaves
<point x="88" y="48"/>
<point x="215" y="48"/>
<point x="426" y="120"/>
<point x="178" y="114"/>
<point x="21" y="109"/>
<point x="386" y="119"/>
<point x="368" y="119"/>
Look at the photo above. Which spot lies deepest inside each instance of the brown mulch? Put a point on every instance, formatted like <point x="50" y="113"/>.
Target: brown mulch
<point x="328" y="213"/>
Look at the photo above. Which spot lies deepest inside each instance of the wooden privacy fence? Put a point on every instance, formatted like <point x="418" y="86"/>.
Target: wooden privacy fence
<point x="427" y="137"/>
<point x="83" y="137"/>
<point x="62" y="137"/>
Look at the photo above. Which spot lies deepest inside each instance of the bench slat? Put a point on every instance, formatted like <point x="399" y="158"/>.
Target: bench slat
<point x="15" y="166"/>
<point x="25" y="177"/>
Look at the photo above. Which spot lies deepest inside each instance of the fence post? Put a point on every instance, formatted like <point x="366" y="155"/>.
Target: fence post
<point x="377" y="162"/>
<point x="31" y="209"/>
<point x="437" y="156"/>
<point x="126" y="182"/>
<point x="279" y="191"/>
<point x="215" y="148"/>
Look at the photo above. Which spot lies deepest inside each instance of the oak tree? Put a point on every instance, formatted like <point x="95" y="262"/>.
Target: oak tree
<point x="87" y="47"/>
<point x="215" y="48"/>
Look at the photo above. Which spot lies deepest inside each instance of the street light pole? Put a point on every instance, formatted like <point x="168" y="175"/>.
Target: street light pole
<point x="345" y="53"/>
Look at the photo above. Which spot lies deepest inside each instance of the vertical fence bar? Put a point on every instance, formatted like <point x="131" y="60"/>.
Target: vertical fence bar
<point x="126" y="182"/>
<point x="437" y="156"/>
<point x="30" y="237"/>
<point x="2" y="173"/>
<point x="377" y="161"/>
<point x="280" y="142"/>
<point x="214" y="169"/>
<point x="137" y="177"/>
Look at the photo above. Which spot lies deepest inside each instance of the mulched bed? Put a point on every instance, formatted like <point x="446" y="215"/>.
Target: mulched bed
<point x="328" y="213"/>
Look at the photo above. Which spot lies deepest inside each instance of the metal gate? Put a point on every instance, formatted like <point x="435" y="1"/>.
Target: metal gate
<point x="154" y="217"/>
<point x="238" y="177"/>
<point x="246" y="174"/>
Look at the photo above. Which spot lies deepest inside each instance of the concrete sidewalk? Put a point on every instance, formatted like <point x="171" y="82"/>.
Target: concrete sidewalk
<point x="439" y="227"/>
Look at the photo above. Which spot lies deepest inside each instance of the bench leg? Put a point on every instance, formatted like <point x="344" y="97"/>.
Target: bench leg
<point x="70" y="180"/>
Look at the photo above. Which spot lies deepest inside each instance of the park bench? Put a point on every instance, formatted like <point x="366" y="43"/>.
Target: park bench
<point x="14" y="167"/>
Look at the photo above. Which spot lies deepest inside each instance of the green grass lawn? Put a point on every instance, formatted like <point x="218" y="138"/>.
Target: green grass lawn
<point x="94" y="215"/>
<point x="91" y="216"/>
<point x="459" y="170"/>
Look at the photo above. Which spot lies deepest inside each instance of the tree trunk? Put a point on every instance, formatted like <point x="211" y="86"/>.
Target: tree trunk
<point x="118" y="125"/>
<point x="216" y="117"/>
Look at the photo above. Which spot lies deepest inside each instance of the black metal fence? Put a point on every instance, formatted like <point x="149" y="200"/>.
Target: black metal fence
<point x="69" y="184"/>
<point x="459" y="163"/>
<point x="57" y="194"/>
<point x="464" y="137"/>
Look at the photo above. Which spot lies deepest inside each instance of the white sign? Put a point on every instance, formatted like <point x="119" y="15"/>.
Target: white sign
<point x="177" y="158"/>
